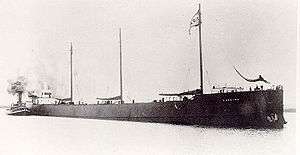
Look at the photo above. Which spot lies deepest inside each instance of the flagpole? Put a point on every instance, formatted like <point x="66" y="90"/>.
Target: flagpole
<point x="200" y="50"/>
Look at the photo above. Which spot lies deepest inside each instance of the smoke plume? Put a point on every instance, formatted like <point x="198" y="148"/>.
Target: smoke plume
<point x="17" y="86"/>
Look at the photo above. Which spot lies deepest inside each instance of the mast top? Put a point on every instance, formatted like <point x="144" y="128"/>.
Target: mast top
<point x="71" y="47"/>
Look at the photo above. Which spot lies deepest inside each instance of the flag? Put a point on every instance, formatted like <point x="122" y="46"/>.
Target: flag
<point x="195" y="21"/>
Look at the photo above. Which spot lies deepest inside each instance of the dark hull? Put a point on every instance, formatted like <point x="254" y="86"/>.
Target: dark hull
<point x="255" y="109"/>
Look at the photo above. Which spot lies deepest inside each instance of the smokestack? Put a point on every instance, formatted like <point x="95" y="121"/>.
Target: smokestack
<point x="19" y="97"/>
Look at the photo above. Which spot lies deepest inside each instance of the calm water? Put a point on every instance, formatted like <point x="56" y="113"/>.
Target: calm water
<point x="34" y="135"/>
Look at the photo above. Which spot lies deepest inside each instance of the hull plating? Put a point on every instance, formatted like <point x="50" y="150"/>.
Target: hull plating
<point x="256" y="109"/>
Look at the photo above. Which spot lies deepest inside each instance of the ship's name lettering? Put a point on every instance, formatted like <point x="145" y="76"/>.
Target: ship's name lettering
<point x="230" y="99"/>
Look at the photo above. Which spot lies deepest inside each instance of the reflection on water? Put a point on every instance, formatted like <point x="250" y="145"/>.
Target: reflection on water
<point x="52" y="135"/>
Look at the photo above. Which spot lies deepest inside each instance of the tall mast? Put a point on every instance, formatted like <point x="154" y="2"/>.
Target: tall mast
<point x="121" y="88"/>
<point x="71" y="71"/>
<point x="200" y="50"/>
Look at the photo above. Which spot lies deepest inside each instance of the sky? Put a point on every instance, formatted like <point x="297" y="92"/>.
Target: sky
<point x="258" y="37"/>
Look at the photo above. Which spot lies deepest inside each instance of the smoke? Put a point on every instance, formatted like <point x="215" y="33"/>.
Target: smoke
<point x="45" y="82"/>
<point x="44" y="72"/>
<point x="17" y="86"/>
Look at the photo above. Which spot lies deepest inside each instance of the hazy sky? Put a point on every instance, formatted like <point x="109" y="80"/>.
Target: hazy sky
<point x="258" y="37"/>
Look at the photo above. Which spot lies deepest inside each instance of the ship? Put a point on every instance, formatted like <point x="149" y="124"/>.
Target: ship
<point x="230" y="107"/>
<point x="19" y="108"/>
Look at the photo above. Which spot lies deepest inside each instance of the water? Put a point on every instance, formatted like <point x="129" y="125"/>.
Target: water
<point x="35" y="135"/>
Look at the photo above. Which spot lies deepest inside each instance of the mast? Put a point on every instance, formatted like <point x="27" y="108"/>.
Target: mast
<point x="200" y="50"/>
<point x="71" y="71"/>
<point x="121" y="88"/>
